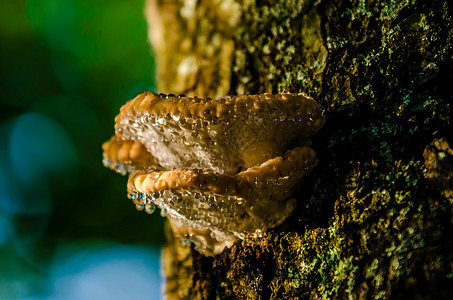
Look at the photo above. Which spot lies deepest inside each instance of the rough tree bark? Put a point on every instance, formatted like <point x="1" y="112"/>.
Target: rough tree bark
<point x="374" y="220"/>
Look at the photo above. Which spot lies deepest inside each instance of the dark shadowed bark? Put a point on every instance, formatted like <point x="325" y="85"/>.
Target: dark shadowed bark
<point x="374" y="219"/>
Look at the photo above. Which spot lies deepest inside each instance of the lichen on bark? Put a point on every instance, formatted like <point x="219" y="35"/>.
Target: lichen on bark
<point x="374" y="220"/>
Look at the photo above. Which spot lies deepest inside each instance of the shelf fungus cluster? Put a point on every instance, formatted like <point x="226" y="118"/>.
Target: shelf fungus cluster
<point x="221" y="169"/>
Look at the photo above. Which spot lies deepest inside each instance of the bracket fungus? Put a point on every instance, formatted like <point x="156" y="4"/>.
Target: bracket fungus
<point x="221" y="169"/>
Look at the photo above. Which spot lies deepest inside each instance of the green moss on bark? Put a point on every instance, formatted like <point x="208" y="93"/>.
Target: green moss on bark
<point x="279" y="47"/>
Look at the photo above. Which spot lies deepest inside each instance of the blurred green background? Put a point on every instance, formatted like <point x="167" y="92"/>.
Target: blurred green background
<point x="67" y="229"/>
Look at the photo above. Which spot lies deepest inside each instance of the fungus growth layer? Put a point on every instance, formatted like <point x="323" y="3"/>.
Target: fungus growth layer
<point x="220" y="169"/>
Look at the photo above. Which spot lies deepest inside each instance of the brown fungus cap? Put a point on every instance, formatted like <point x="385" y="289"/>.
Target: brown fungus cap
<point x="223" y="135"/>
<point x="221" y="169"/>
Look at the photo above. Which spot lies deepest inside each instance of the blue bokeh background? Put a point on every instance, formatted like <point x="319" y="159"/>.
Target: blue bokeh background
<point x="67" y="230"/>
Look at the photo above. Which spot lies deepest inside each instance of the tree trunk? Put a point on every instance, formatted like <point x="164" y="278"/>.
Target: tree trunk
<point x="374" y="219"/>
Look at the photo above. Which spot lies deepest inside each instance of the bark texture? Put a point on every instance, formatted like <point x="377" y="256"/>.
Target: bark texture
<point x="374" y="219"/>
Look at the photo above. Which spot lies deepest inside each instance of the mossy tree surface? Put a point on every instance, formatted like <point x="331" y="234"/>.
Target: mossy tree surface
<point x="374" y="220"/>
